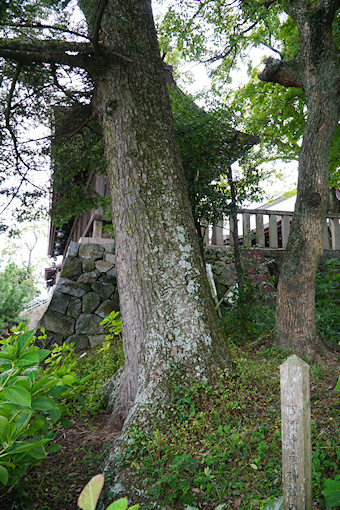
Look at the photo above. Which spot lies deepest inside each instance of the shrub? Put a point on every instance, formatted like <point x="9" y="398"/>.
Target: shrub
<point x="28" y="411"/>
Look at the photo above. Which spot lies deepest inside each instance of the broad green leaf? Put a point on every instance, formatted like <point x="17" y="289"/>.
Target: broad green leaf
<point x="25" y="446"/>
<point x="89" y="496"/>
<point x="35" y="426"/>
<point x="38" y="453"/>
<point x="3" y="475"/>
<point x="24" y="340"/>
<point x="120" y="504"/>
<point x="24" y="382"/>
<point x="331" y="493"/>
<point x="44" y="404"/>
<point x="17" y="395"/>
<point x="55" y="414"/>
<point x="10" y="432"/>
<point x="43" y="353"/>
<point x="3" y="428"/>
<point x="68" y="379"/>
<point x="29" y="359"/>
<point x="135" y="507"/>
<point x="54" y="448"/>
<point x="58" y="391"/>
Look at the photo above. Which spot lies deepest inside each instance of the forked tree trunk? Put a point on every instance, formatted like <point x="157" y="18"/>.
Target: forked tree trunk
<point x="317" y="71"/>
<point x="168" y="318"/>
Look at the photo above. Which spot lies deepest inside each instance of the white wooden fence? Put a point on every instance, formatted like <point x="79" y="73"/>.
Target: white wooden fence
<point x="267" y="228"/>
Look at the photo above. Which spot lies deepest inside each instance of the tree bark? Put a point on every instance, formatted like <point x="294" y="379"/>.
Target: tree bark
<point x="317" y="70"/>
<point x="169" y="323"/>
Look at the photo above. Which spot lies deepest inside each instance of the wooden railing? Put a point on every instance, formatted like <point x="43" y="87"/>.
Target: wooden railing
<point x="267" y="229"/>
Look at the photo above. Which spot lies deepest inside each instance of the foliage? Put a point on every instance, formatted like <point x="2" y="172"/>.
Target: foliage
<point x="97" y="365"/>
<point x="209" y="144"/>
<point x="249" y="321"/>
<point x="78" y="155"/>
<point x="114" y="323"/>
<point x="89" y="496"/>
<point x="28" y="411"/>
<point x="16" y="288"/>
<point x="331" y="493"/>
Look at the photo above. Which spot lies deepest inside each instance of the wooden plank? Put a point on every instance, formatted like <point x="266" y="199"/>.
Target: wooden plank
<point x="285" y="229"/>
<point x="260" y="241"/>
<point x="325" y="238"/>
<point x="246" y="229"/>
<point x="273" y="236"/>
<point x="335" y="233"/>
<point x="217" y="234"/>
<point x="296" y="435"/>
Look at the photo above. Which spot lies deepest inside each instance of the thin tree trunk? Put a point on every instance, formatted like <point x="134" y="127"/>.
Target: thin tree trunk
<point x="169" y="323"/>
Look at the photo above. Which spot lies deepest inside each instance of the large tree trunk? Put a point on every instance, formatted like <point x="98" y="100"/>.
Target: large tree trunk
<point x="168" y="318"/>
<point x="317" y="71"/>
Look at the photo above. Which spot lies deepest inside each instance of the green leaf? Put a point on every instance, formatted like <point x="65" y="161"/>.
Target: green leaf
<point x="65" y="423"/>
<point x="3" y="475"/>
<point x="24" y="382"/>
<point x="68" y="379"/>
<point x="89" y="496"/>
<point x="120" y="504"/>
<point x="38" y="453"/>
<point x="29" y="359"/>
<point x="25" y="446"/>
<point x="332" y="493"/>
<point x="17" y="395"/>
<point x="55" y="414"/>
<point x="43" y="353"/>
<point x="44" y="404"/>
<point x="3" y="428"/>
<point x="35" y="426"/>
<point x="54" y="448"/>
<point x="58" y="391"/>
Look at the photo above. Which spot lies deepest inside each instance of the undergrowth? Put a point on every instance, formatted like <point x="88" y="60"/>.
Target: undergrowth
<point x="223" y="441"/>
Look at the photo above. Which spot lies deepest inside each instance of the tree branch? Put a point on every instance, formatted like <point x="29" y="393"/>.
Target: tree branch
<point x="283" y="72"/>
<point x="40" y="26"/>
<point x="73" y="54"/>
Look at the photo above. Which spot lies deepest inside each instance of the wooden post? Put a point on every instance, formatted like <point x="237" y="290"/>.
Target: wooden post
<point x="296" y="435"/>
<point x="217" y="234"/>
<point x="260" y="240"/>
<point x="273" y="237"/>
<point x="246" y="229"/>
<point x="325" y="241"/>
<point x="335" y="230"/>
<point x="285" y="229"/>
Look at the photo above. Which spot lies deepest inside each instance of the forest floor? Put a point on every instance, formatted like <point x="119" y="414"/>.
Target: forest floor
<point x="253" y="461"/>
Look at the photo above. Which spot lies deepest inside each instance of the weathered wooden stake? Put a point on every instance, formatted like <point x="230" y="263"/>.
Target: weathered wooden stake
<point x="296" y="435"/>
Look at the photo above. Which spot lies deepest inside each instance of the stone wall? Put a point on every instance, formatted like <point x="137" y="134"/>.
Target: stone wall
<point x="86" y="292"/>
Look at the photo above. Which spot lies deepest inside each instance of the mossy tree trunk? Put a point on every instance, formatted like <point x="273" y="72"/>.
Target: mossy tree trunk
<point x="168" y="316"/>
<point x="316" y="71"/>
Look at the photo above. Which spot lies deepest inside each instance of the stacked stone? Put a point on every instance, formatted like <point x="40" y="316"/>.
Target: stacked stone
<point x="85" y="293"/>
